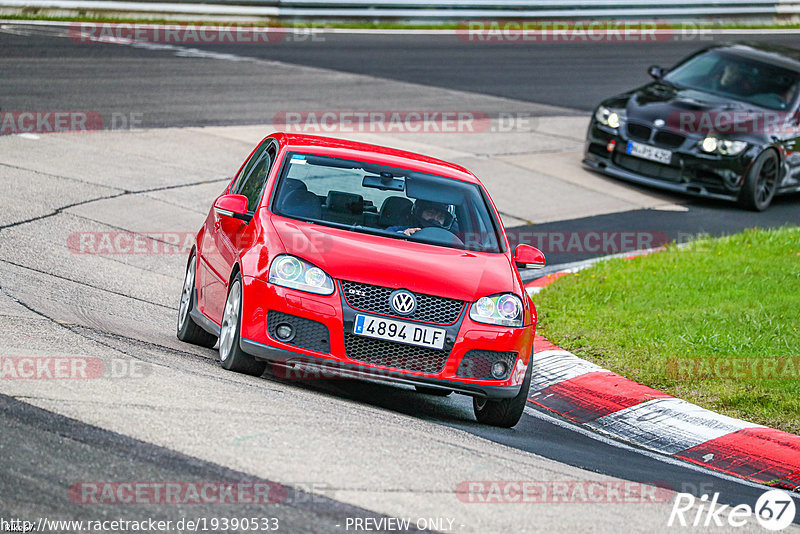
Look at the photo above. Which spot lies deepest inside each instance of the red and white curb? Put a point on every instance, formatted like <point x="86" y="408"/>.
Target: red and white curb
<point x="606" y="402"/>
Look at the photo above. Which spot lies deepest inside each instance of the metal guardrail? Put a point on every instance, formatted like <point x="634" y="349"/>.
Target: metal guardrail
<point x="686" y="10"/>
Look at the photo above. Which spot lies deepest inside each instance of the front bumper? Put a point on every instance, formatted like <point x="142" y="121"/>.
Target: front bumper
<point x="330" y="320"/>
<point x="690" y="172"/>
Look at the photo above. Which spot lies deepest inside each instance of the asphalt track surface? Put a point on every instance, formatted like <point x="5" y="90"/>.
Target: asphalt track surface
<point x="52" y="305"/>
<point x="45" y="71"/>
<point x="50" y="73"/>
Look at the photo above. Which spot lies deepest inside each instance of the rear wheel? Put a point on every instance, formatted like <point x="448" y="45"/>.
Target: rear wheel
<point x="231" y="355"/>
<point x="188" y="331"/>
<point x="505" y="412"/>
<point x="761" y="182"/>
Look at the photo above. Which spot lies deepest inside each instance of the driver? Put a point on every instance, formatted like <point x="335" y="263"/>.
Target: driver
<point x="734" y="79"/>
<point x="426" y="214"/>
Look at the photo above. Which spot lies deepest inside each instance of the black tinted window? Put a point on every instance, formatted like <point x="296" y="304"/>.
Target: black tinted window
<point x="387" y="201"/>
<point x="737" y="77"/>
<point x="254" y="176"/>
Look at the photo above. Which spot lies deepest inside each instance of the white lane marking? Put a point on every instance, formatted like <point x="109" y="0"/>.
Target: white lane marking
<point x="591" y="434"/>
<point x="554" y="366"/>
<point x="668" y="425"/>
<point x="28" y="136"/>
<point x="178" y="51"/>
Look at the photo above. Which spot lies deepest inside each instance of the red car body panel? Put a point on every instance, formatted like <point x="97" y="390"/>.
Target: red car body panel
<point x="225" y="246"/>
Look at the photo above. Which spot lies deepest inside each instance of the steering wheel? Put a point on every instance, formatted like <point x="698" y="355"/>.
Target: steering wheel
<point x="438" y="235"/>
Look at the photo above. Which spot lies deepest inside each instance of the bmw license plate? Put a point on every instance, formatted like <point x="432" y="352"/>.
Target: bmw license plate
<point x="412" y="334"/>
<point x="649" y="152"/>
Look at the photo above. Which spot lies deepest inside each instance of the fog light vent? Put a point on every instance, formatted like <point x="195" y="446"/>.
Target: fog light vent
<point x="284" y="332"/>
<point x="499" y="369"/>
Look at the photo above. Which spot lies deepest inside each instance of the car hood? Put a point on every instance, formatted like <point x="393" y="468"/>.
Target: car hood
<point x="686" y="110"/>
<point x="388" y="262"/>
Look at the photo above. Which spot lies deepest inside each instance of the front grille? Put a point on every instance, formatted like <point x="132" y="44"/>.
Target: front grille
<point x="638" y="131"/>
<point x="375" y="299"/>
<point x="478" y="363"/>
<point x="650" y="169"/>
<point x="308" y="334"/>
<point x="668" y="139"/>
<point x="395" y="355"/>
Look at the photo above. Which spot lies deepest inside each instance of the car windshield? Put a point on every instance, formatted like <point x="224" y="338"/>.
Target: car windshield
<point x="737" y="77"/>
<point x="376" y="199"/>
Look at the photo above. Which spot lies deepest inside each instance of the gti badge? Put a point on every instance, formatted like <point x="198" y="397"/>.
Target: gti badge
<point x="403" y="302"/>
<point x="658" y="123"/>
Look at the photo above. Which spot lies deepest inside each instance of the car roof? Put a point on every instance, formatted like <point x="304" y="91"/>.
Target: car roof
<point x="777" y="55"/>
<point x="330" y="146"/>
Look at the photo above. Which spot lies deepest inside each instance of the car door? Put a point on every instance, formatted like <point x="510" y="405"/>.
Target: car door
<point x="228" y="236"/>
<point x="791" y="145"/>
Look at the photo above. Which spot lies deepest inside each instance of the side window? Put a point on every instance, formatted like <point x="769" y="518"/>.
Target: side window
<point x="237" y="184"/>
<point x="254" y="176"/>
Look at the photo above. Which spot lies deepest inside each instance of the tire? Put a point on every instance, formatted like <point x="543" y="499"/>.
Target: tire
<point x="505" y="412"/>
<point x="761" y="182"/>
<point x="188" y="330"/>
<point x="436" y="392"/>
<point x="231" y="355"/>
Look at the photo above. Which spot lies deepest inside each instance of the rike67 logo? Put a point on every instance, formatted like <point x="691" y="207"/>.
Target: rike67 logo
<point x="774" y="510"/>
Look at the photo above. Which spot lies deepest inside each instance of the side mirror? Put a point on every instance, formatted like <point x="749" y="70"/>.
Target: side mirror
<point x="233" y="206"/>
<point x="656" y="72"/>
<point x="528" y="257"/>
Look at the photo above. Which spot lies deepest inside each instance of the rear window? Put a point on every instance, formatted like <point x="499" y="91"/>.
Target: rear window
<point x="391" y="202"/>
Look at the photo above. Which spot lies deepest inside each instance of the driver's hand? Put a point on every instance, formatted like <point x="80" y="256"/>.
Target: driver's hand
<point x="409" y="231"/>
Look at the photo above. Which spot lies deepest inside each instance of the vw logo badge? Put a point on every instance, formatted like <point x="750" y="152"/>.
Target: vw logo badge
<point x="658" y="123"/>
<point x="403" y="302"/>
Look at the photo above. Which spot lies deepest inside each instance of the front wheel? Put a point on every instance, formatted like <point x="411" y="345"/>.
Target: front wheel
<point x="761" y="182"/>
<point x="188" y="331"/>
<point x="231" y="355"/>
<point x="505" y="412"/>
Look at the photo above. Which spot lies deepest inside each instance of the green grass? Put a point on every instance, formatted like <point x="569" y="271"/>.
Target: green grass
<point x="731" y="298"/>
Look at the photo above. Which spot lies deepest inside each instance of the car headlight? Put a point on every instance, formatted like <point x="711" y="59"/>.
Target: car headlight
<point x="505" y="310"/>
<point x="290" y="271"/>
<point x="607" y="117"/>
<point x="726" y="147"/>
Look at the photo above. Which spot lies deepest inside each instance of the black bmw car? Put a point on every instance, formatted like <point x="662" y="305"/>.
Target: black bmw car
<point x="723" y="123"/>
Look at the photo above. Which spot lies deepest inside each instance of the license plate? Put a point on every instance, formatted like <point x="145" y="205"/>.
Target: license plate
<point x="412" y="334"/>
<point x="649" y="152"/>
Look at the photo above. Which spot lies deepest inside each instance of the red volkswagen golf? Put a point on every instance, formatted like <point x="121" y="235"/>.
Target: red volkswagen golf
<point x="366" y="262"/>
